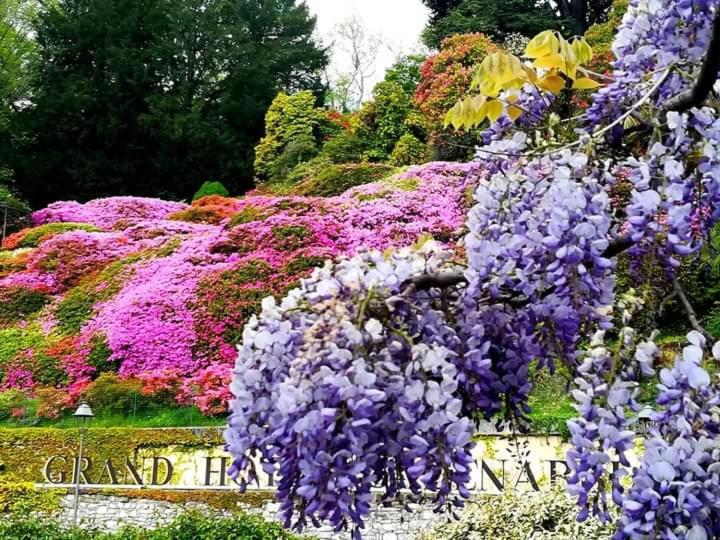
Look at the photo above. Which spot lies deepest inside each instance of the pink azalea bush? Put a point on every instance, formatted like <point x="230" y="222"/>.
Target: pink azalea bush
<point x="159" y="291"/>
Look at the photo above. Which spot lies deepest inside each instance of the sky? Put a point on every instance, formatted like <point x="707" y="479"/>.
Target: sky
<point x="398" y="21"/>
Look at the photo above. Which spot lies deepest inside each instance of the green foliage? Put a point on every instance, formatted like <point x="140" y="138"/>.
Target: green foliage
<point x="11" y="400"/>
<point x="247" y="215"/>
<point x="109" y="393"/>
<point x="409" y="150"/>
<point x="17" y="52"/>
<point x="15" y="340"/>
<point x="147" y="97"/>
<point x="346" y="147"/>
<point x="495" y="19"/>
<point x="290" y="237"/>
<point x="211" y="188"/>
<point x="48" y="370"/>
<point x="549" y="515"/>
<point x="100" y="355"/>
<point x="190" y="526"/>
<point x="18" y="303"/>
<point x="9" y="198"/>
<point x="23" y="499"/>
<point x="600" y="35"/>
<point x="323" y="179"/>
<point x="33" y="237"/>
<point x="76" y="308"/>
<point x="406" y="72"/>
<point x="291" y="125"/>
<point x="383" y="119"/>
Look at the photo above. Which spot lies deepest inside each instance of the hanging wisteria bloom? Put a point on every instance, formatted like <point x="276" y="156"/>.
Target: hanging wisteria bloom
<point x="372" y="372"/>
<point x="351" y="383"/>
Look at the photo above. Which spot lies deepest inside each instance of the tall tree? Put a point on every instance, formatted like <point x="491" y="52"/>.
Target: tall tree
<point x="494" y="19"/>
<point x="152" y="97"/>
<point x="361" y="47"/>
<point x="16" y="52"/>
<point x="500" y="18"/>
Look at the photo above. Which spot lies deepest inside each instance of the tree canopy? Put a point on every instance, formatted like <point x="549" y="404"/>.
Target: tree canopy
<point x="499" y="19"/>
<point x="153" y="97"/>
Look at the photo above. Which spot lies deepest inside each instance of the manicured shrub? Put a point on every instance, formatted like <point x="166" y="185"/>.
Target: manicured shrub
<point x="211" y="188"/>
<point x="326" y="180"/>
<point x="191" y="526"/>
<point x="550" y="515"/>
<point x="409" y="150"/>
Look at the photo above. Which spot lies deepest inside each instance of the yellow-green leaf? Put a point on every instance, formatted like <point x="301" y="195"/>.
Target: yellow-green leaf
<point x="566" y="51"/>
<point x="551" y="83"/>
<point x="544" y="44"/>
<point x="583" y="51"/>
<point x="494" y="109"/>
<point x="585" y="83"/>
<point x="513" y="112"/>
<point x="550" y="61"/>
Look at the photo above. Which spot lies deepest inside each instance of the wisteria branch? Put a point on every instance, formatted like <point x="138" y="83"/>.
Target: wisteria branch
<point x="446" y="280"/>
<point x="689" y="310"/>
<point x="696" y="96"/>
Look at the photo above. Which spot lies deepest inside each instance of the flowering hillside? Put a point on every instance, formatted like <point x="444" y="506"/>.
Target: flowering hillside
<point x="159" y="291"/>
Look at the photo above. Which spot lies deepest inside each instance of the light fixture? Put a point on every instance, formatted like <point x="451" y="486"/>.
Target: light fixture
<point x="83" y="416"/>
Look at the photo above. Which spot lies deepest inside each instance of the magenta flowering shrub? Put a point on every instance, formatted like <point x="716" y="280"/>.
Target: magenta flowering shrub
<point x="160" y="291"/>
<point x="107" y="212"/>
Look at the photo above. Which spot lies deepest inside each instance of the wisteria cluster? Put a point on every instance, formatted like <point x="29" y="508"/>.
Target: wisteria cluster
<point x="539" y="281"/>
<point x="334" y="402"/>
<point x="537" y="236"/>
<point x="605" y="427"/>
<point x="675" y="491"/>
<point x="145" y="286"/>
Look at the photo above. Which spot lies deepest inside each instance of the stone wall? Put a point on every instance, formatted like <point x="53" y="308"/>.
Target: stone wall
<point x="110" y="512"/>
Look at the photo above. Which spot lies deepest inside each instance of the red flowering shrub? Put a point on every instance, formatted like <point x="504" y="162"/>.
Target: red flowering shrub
<point x="52" y="402"/>
<point x="444" y="78"/>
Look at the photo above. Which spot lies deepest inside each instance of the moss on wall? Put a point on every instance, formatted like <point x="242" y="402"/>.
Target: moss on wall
<point x="24" y="452"/>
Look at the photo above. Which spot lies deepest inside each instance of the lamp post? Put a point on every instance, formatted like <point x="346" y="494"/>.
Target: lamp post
<point x="83" y="415"/>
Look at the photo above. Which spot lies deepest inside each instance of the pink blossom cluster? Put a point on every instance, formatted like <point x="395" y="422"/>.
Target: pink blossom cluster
<point x="106" y="213"/>
<point x="185" y="278"/>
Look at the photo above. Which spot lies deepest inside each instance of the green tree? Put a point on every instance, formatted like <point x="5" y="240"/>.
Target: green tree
<point x="292" y="125"/>
<point x="17" y="50"/>
<point x="494" y="19"/>
<point x="498" y="18"/>
<point x="152" y="97"/>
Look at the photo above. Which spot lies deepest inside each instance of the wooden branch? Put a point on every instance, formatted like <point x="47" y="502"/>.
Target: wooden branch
<point x="442" y="280"/>
<point x="696" y="96"/>
<point x="690" y="312"/>
<point x="446" y="280"/>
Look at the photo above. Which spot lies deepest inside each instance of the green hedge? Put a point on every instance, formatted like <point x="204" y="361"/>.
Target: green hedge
<point x="24" y="451"/>
<point x="320" y="178"/>
<point x="190" y="526"/>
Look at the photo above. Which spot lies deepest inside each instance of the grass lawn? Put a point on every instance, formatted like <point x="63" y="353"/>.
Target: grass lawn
<point x="157" y="417"/>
